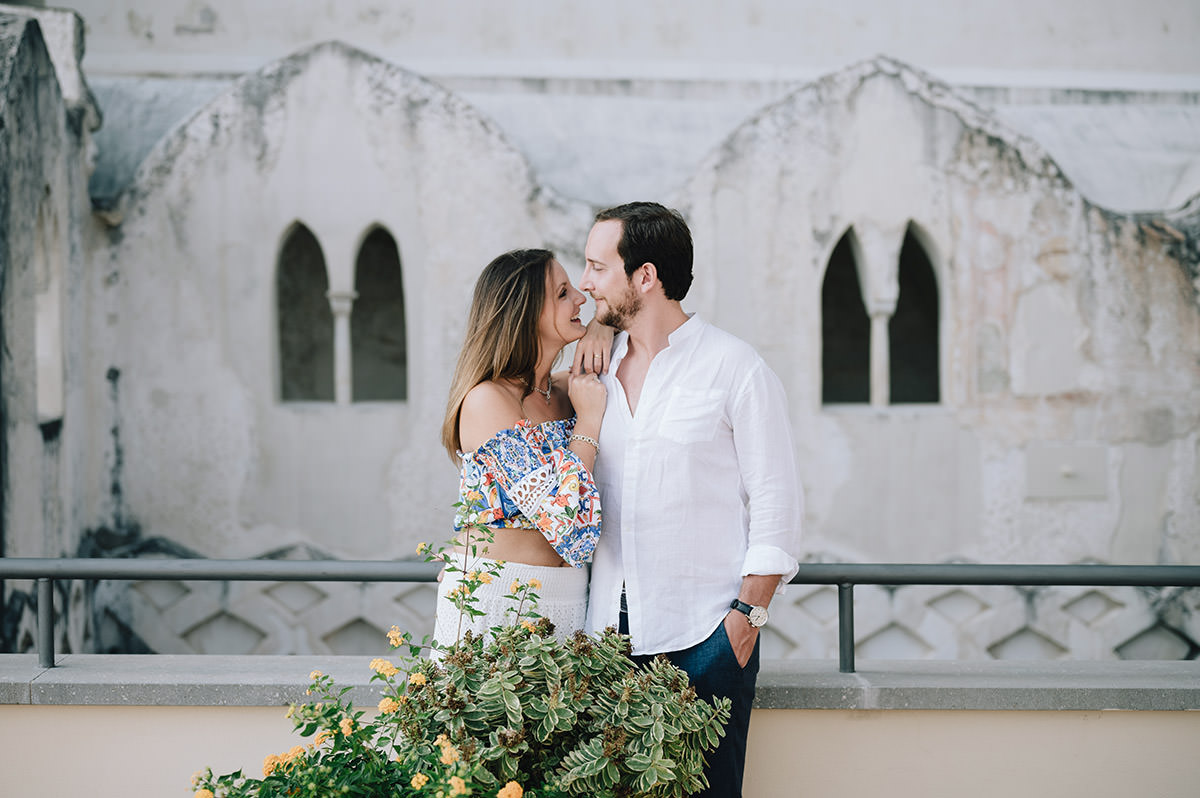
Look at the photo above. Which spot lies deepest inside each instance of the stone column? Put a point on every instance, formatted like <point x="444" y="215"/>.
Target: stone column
<point x="881" y="377"/>
<point x="878" y="257"/>
<point x="341" y="303"/>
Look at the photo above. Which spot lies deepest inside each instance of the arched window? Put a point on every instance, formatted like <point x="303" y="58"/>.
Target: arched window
<point x="913" y="328"/>
<point x="845" y="330"/>
<point x="377" y="328"/>
<point x="305" y="320"/>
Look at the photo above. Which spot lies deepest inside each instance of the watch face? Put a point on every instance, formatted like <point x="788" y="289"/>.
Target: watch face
<point x="758" y="616"/>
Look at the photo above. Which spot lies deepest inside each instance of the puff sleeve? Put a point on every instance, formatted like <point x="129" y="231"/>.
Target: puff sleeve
<point x="525" y="471"/>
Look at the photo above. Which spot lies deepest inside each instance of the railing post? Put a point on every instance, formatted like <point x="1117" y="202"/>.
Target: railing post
<point x="846" y="628"/>
<point x="45" y="627"/>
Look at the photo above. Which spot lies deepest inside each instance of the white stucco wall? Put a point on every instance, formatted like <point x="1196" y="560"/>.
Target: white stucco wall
<point x="1058" y="330"/>
<point x="626" y="38"/>
<point x="1069" y="334"/>
<point x="340" y="142"/>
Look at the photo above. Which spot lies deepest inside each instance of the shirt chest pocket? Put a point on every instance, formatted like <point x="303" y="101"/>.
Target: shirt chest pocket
<point x="692" y="416"/>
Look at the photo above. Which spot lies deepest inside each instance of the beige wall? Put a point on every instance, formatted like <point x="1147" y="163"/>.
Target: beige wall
<point x="152" y="752"/>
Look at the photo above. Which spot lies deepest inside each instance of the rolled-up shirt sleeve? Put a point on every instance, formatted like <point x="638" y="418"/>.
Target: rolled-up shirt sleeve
<point x="762" y="435"/>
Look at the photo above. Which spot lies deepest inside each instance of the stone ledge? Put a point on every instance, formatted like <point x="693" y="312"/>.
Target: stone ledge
<point x="983" y="685"/>
<point x="170" y="680"/>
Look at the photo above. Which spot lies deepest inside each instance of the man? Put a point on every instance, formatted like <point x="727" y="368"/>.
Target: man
<point x="702" y="506"/>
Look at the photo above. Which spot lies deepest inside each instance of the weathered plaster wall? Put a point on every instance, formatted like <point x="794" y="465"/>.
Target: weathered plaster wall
<point x="631" y="38"/>
<point x="1067" y="331"/>
<point x="1070" y="334"/>
<point x="33" y="158"/>
<point x="338" y="141"/>
<point x="49" y="115"/>
<point x="32" y="143"/>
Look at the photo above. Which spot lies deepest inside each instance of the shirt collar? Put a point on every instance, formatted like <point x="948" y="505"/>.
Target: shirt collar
<point x="686" y="330"/>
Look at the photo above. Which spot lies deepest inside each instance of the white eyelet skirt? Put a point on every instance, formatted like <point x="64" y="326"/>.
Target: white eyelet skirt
<point x="562" y="598"/>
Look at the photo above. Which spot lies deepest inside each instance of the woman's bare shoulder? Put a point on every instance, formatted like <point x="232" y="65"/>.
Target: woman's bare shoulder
<point x="487" y="408"/>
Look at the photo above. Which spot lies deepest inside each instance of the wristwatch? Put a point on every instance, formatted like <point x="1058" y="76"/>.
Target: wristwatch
<point x="755" y="615"/>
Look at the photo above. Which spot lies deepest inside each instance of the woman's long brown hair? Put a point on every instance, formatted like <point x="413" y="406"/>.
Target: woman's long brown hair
<point x="502" y="331"/>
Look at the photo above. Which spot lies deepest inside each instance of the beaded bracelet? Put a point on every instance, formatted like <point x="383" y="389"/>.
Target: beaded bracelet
<point x="585" y="439"/>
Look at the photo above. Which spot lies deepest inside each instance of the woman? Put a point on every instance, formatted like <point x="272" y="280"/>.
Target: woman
<point x="526" y="443"/>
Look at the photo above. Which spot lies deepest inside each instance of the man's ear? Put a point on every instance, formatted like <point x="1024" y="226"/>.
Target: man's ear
<point x="646" y="277"/>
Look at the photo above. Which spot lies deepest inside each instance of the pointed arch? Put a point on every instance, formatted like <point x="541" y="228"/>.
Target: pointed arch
<point x="845" y="328"/>
<point x="305" y="332"/>
<point x="913" y="330"/>
<point x="378" y="329"/>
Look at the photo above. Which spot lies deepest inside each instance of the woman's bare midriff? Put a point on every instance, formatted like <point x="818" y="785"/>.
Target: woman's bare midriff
<point x="526" y="546"/>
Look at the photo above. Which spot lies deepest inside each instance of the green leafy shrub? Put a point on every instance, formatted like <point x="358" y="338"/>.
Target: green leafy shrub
<point x="518" y="712"/>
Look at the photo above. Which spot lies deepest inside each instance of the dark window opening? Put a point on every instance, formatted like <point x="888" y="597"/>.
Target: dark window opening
<point x="913" y="329"/>
<point x="377" y="326"/>
<point x="845" y="330"/>
<point x="305" y="320"/>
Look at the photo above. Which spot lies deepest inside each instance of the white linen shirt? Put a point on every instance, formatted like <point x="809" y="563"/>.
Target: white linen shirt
<point x="699" y="488"/>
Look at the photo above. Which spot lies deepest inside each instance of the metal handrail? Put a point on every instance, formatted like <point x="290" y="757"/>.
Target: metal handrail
<point x="45" y="570"/>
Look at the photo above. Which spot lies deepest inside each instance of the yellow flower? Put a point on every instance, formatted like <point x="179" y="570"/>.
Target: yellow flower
<point x="388" y="706"/>
<point x="395" y="636"/>
<point x="528" y="624"/>
<point x="510" y="790"/>
<point x="419" y="781"/>
<point x="322" y="736"/>
<point x="516" y="584"/>
<point x="417" y="678"/>
<point x="384" y="667"/>
<point x="296" y="751"/>
<point x="442" y="740"/>
<point x="535" y="583"/>
<point x="270" y="764"/>
<point x="401" y="700"/>
<point x="203" y="794"/>
<point x="485" y="578"/>
<point x="457" y="786"/>
<point x="315" y="675"/>
<point x="422" y="548"/>
<point x="449" y="755"/>
<point x="347" y="726"/>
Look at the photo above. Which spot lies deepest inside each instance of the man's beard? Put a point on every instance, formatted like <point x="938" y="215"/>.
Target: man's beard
<point x="619" y="315"/>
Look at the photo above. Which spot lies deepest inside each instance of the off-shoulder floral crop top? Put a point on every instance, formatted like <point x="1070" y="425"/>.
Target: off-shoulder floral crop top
<point x="526" y="478"/>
